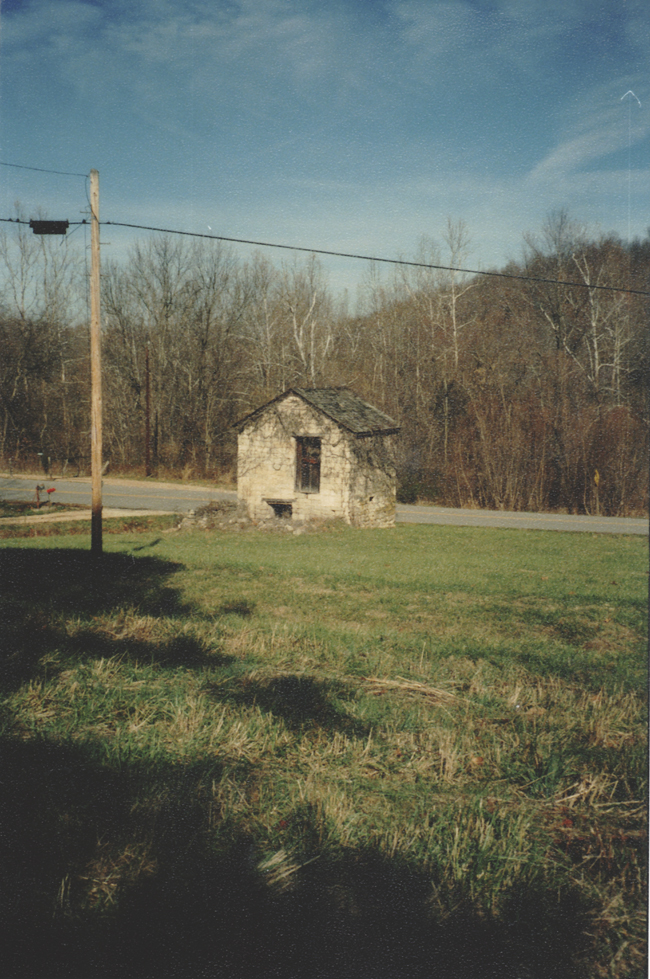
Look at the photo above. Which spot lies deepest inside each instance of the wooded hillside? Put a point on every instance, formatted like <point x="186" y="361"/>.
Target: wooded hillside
<point x="515" y="394"/>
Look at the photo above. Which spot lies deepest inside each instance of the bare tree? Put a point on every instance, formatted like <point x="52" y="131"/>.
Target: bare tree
<point x="308" y="314"/>
<point x="262" y="330"/>
<point x="40" y="303"/>
<point x="607" y="321"/>
<point x="550" y="256"/>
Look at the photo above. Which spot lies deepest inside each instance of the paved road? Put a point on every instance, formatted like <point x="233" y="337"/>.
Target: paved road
<point x="132" y="495"/>
<point x="122" y="494"/>
<point x="522" y="521"/>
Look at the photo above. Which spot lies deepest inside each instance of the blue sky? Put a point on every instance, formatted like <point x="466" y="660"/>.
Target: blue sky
<point x="352" y="125"/>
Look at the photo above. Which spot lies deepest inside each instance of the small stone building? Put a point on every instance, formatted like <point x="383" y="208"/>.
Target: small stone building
<point x="318" y="453"/>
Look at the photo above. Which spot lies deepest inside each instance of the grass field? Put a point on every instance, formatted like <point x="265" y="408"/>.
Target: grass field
<point x="415" y="752"/>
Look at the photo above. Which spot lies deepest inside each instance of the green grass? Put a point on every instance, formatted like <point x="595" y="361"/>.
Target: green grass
<point x="346" y="753"/>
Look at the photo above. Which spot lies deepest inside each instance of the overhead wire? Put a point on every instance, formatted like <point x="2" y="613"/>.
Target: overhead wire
<point x="354" y="255"/>
<point x="61" y="173"/>
<point x="323" y="251"/>
<point x="375" y="258"/>
<point x="23" y="221"/>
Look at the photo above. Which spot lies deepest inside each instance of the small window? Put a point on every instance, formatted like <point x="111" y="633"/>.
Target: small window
<point x="308" y="465"/>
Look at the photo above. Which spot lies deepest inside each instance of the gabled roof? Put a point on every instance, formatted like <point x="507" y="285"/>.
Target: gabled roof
<point x="348" y="410"/>
<point x="341" y="405"/>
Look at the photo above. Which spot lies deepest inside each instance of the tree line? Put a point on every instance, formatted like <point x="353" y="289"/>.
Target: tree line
<point x="512" y="393"/>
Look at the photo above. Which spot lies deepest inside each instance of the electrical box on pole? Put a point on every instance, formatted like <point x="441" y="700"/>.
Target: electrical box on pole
<point x="49" y="227"/>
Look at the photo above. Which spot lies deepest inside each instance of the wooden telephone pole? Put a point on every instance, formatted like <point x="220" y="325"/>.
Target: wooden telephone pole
<point x="147" y="419"/>
<point x="95" y="371"/>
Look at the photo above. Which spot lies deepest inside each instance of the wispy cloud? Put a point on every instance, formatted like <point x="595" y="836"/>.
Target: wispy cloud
<point x="597" y="127"/>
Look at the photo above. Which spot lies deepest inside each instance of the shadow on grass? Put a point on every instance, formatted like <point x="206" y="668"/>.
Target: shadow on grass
<point x="301" y="701"/>
<point x="39" y="586"/>
<point x="134" y="873"/>
<point x="178" y="651"/>
<point x="74" y="582"/>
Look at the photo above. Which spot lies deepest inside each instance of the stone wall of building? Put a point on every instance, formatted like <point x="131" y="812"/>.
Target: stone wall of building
<point x="266" y="462"/>
<point x="372" y="494"/>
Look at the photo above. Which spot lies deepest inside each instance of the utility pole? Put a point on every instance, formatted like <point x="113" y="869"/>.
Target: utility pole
<point x="147" y="419"/>
<point x="60" y="228"/>
<point x="95" y="372"/>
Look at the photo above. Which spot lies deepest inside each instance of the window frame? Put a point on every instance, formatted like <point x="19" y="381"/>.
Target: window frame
<point x="308" y="463"/>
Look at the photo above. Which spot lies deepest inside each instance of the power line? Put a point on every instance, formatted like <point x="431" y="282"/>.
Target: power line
<point x="365" y="258"/>
<point x="22" y="221"/>
<point x="61" y="173"/>
<point x="374" y="258"/>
